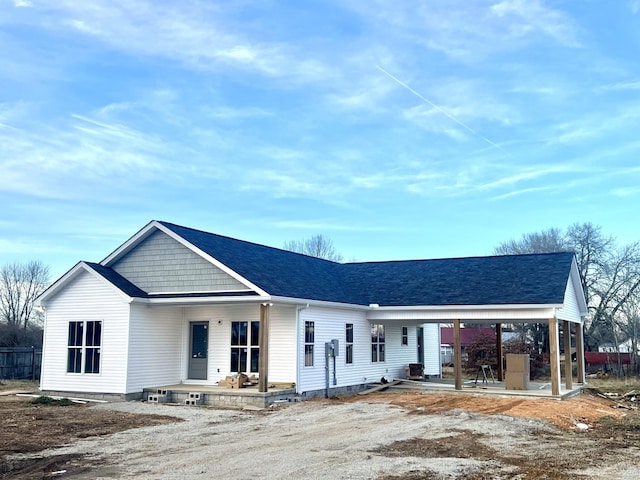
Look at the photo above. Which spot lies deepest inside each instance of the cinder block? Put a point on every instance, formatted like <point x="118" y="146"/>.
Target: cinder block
<point x="194" y="395"/>
<point x="161" y="392"/>
<point x="157" y="398"/>
<point x="190" y="402"/>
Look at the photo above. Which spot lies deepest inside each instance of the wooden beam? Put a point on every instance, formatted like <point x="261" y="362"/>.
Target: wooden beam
<point x="580" y="352"/>
<point x="568" y="371"/>
<point x="457" y="354"/>
<point x="499" y="351"/>
<point x="554" y="356"/>
<point x="263" y="343"/>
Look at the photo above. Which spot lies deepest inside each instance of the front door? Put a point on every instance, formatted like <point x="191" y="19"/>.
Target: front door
<point x="199" y="340"/>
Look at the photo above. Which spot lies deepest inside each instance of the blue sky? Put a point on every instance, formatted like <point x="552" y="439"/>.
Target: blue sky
<point x="417" y="129"/>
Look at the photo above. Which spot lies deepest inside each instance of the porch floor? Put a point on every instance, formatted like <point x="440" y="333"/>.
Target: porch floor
<point x="536" y="389"/>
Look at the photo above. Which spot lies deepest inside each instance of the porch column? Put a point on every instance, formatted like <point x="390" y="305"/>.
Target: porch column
<point x="554" y="357"/>
<point x="568" y="372"/>
<point x="457" y="354"/>
<point x="580" y="352"/>
<point x="499" y="350"/>
<point x="263" y="343"/>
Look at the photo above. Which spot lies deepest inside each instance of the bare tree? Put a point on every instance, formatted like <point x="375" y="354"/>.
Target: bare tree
<point x="546" y="241"/>
<point x="20" y="285"/>
<point x="610" y="274"/>
<point x="315" y="246"/>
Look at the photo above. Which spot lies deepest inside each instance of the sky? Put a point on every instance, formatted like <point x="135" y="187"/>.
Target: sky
<point x="399" y="130"/>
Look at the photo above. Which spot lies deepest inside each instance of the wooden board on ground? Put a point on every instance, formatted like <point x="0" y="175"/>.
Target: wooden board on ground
<point x="379" y="388"/>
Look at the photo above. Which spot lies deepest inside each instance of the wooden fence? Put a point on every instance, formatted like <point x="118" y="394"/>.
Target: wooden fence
<point x="20" y="363"/>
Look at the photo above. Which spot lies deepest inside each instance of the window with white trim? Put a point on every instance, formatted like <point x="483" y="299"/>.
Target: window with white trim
<point x="309" y="338"/>
<point x="245" y="339"/>
<point x="405" y="336"/>
<point x="348" y="337"/>
<point x="83" y="347"/>
<point x="377" y="343"/>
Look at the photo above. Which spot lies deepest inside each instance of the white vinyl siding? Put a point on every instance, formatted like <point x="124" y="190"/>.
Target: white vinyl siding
<point x="281" y="340"/>
<point x="161" y="264"/>
<point x="570" y="310"/>
<point x="155" y="347"/>
<point x="87" y="298"/>
<point x="330" y="324"/>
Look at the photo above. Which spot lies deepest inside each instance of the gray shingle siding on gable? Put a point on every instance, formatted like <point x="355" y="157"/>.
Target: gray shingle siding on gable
<point x="161" y="264"/>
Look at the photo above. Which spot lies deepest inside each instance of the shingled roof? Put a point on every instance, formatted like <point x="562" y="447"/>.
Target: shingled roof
<point x="537" y="279"/>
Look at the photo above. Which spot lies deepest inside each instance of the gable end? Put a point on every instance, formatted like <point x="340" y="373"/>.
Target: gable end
<point x="160" y="264"/>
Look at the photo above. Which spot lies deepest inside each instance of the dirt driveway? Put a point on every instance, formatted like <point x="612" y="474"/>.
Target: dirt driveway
<point x="380" y="436"/>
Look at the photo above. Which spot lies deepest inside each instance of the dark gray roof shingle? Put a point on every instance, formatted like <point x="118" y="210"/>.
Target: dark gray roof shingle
<point x="496" y="280"/>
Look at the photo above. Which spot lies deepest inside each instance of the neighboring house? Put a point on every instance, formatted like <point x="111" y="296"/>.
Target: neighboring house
<point x="177" y="305"/>
<point x="467" y="336"/>
<point x="607" y="361"/>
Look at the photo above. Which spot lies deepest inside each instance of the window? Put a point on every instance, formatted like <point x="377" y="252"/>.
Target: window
<point x="377" y="343"/>
<point x="84" y="342"/>
<point x="405" y="336"/>
<point x="309" y="336"/>
<point x="349" y="343"/>
<point x="245" y="341"/>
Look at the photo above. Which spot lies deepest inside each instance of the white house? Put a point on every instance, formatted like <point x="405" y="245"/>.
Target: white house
<point x="174" y="305"/>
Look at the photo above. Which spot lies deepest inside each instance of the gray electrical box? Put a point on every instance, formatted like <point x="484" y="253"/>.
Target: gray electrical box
<point x="331" y="348"/>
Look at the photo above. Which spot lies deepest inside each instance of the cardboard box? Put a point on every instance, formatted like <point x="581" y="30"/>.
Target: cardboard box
<point x="237" y="381"/>
<point x="517" y="363"/>
<point x="516" y="381"/>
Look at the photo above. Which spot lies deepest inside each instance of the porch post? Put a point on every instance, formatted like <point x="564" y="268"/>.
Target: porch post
<point x="263" y="343"/>
<point x="568" y="371"/>
<point x="499" y="350"/>
<point x="457" y="354"/>
<point x="554" y="357"/>
<point x="580" y="352"/>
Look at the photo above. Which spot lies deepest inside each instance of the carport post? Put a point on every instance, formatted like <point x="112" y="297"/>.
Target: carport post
<point x="568" y="370"/>
<point x="457" y="354"/>
<point x="263" y="343"/>
<point x="554" y="357"/>
<point x="580" y="352"/>
<point x="499" y="350"/>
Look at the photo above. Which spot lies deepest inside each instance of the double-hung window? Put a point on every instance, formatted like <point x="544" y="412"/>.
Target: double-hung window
<point x="309" y="338"/>
<point x="405" y="336"/>
<point x="377" y="343"/>
<point x="83" y="347"/>
<point x="349" y="343"/>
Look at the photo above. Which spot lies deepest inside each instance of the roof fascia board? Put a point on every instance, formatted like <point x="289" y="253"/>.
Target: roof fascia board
<point x="200" y="300"/>
<point x="69" y="276"/>
<point x="479" y="314"/>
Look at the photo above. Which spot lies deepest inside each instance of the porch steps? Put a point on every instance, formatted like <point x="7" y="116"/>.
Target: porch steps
<point x="194" y="398"/>
<point x="161" y="396"/>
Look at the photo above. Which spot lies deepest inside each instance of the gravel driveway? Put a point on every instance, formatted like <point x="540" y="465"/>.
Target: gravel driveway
<point x="350" y="440"/>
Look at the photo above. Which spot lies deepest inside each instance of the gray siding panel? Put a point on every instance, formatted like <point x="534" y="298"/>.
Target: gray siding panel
<point x="161" y="264"/>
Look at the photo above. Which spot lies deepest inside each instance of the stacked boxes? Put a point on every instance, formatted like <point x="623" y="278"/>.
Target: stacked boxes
<point x="517" y="374"/>
<point x="237" y="381"/>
